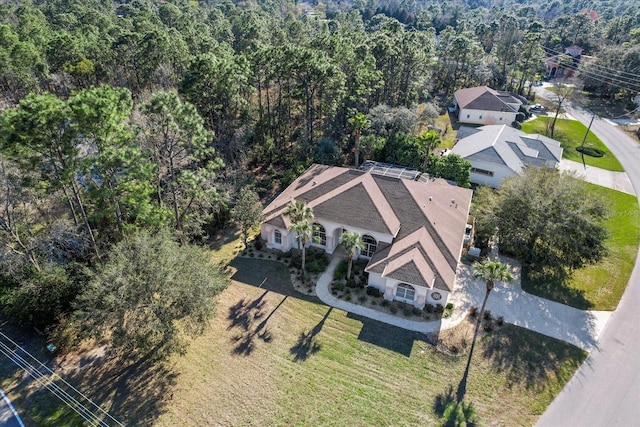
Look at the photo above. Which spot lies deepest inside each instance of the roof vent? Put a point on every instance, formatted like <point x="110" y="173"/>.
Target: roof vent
<point x="430" y="198"/>
<point x="453" y="201"/>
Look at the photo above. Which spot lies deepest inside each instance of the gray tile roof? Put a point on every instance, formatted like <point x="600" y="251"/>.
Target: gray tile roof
<point x="504" y="145"/>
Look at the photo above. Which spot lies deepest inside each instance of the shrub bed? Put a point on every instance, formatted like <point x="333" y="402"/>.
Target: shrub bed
<point x="590" y="151"/>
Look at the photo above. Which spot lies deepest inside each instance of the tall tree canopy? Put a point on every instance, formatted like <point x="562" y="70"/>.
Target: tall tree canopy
<point x="548" y="220"/>
<point x="150" y="294"/>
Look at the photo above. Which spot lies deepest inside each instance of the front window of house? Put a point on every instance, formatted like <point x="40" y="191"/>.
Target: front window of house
<point x="370" y="246"/>
<point x="481" y="171"/>
<point x="319" y="234"/>
<point x="277" y="237"/>
<point x="406" y="292"/>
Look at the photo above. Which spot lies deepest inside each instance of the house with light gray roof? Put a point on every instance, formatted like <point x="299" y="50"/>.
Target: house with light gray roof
<point x="413" y="230"/>
<point x="497" y="152"/>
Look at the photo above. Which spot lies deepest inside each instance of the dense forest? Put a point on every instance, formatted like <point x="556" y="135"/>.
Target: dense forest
<point x="121" y="118"/>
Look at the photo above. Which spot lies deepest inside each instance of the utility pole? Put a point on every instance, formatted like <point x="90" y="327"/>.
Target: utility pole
<point x="585" y="138"/>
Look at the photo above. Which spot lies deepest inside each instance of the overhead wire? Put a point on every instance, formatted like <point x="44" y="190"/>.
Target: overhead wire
<point x="610" y="78"/>
<point x="49" y="380"/>
<point x="603" y="68"/>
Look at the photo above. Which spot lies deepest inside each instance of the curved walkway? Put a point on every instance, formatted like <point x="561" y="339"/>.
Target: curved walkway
<point x="322" y="290"/>
<point x="578" y="327"/>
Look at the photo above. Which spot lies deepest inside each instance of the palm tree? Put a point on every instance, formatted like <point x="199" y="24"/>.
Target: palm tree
<point x="304" y="231"/>
<point x="298" y="211"/>
<point x="358" y="123"/>
<point x="490" y="272"/>
<point x="428" y="140"/>
<point x="351" y="242"/>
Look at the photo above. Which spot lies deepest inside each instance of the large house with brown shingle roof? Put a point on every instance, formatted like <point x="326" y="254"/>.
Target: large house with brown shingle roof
<point x="485" y="106"/>
<point x="413" y="231"/>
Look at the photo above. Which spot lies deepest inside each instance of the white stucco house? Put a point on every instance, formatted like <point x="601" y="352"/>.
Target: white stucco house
<point x="412" y="230"/>
<point x="497" y="152"/>
<point x="485" y="106"/>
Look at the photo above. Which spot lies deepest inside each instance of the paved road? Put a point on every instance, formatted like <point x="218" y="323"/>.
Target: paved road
<point x="606" y="389"/>
<point x="8" y="416"/>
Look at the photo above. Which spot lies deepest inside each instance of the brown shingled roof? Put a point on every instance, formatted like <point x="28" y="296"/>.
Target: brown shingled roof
<point x="485" y="98"/>
<point x="426" y="220"/>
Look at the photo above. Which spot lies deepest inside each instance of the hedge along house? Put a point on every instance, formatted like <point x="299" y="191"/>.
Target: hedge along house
<point x="413" y="230"/>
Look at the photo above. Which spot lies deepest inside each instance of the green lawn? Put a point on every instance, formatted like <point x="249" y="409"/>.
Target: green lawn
<point x="273" y="357"/>
<point x="570" y="134"/>
<point x="600" y="286"/>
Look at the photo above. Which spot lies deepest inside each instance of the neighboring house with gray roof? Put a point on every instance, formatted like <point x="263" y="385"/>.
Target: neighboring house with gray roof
<point x="485" y="106"/>
<point x="497" y="152"/>
<point x="413" y="231"/>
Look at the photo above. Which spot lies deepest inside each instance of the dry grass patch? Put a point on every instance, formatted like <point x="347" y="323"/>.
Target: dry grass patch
<point x="275" y="357"/>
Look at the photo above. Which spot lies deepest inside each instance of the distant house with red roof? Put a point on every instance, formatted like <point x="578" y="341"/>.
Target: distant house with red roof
<point x="413" y="230"/>
<point x="485" y="106"/>
<point x="563" y="65"/>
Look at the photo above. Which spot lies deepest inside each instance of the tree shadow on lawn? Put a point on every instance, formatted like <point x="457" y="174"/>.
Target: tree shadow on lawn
<point x="271" y="275"/>
<point x="244" y="315"/>
<point x="529" y="358"/>
<point x="453" y="412"/>
<point x="134" y="393"/>
<point x="554" y="287"/>
<point x="307" y="344"/>
<point x="387" y="336"/>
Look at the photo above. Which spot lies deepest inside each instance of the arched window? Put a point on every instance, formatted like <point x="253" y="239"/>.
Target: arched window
<point x="370" y="246"/>
<point x="277" y="237"/>
<point x="319" y="234"/>
<point x="405" y="291"/>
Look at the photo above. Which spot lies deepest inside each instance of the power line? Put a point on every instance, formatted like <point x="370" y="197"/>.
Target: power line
<point x="595" y="74"/>
<point x="609" y="80"/>
<point x="75" y="399"/>
<point x="604" y="69"/>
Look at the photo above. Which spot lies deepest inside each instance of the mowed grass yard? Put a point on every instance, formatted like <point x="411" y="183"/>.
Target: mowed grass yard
<point x="274" y="357"/>
<point x="600" y="286"/>
<point x="570" y="134"/>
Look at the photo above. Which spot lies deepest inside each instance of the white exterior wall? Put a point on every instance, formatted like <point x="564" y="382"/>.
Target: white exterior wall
<point x="484" y="117"/>
<point x="442" y="301"/>
<point x="377" y="281"/>
<point x="333" y="232"/>
<point x="267" y="233"/>
<point x="500" y="172"/>
<point x="389" y="286"/>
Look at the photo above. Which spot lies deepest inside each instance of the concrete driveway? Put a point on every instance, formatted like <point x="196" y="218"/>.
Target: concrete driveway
<point x="615" y="180"/>
<point x="578" y="327"/>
